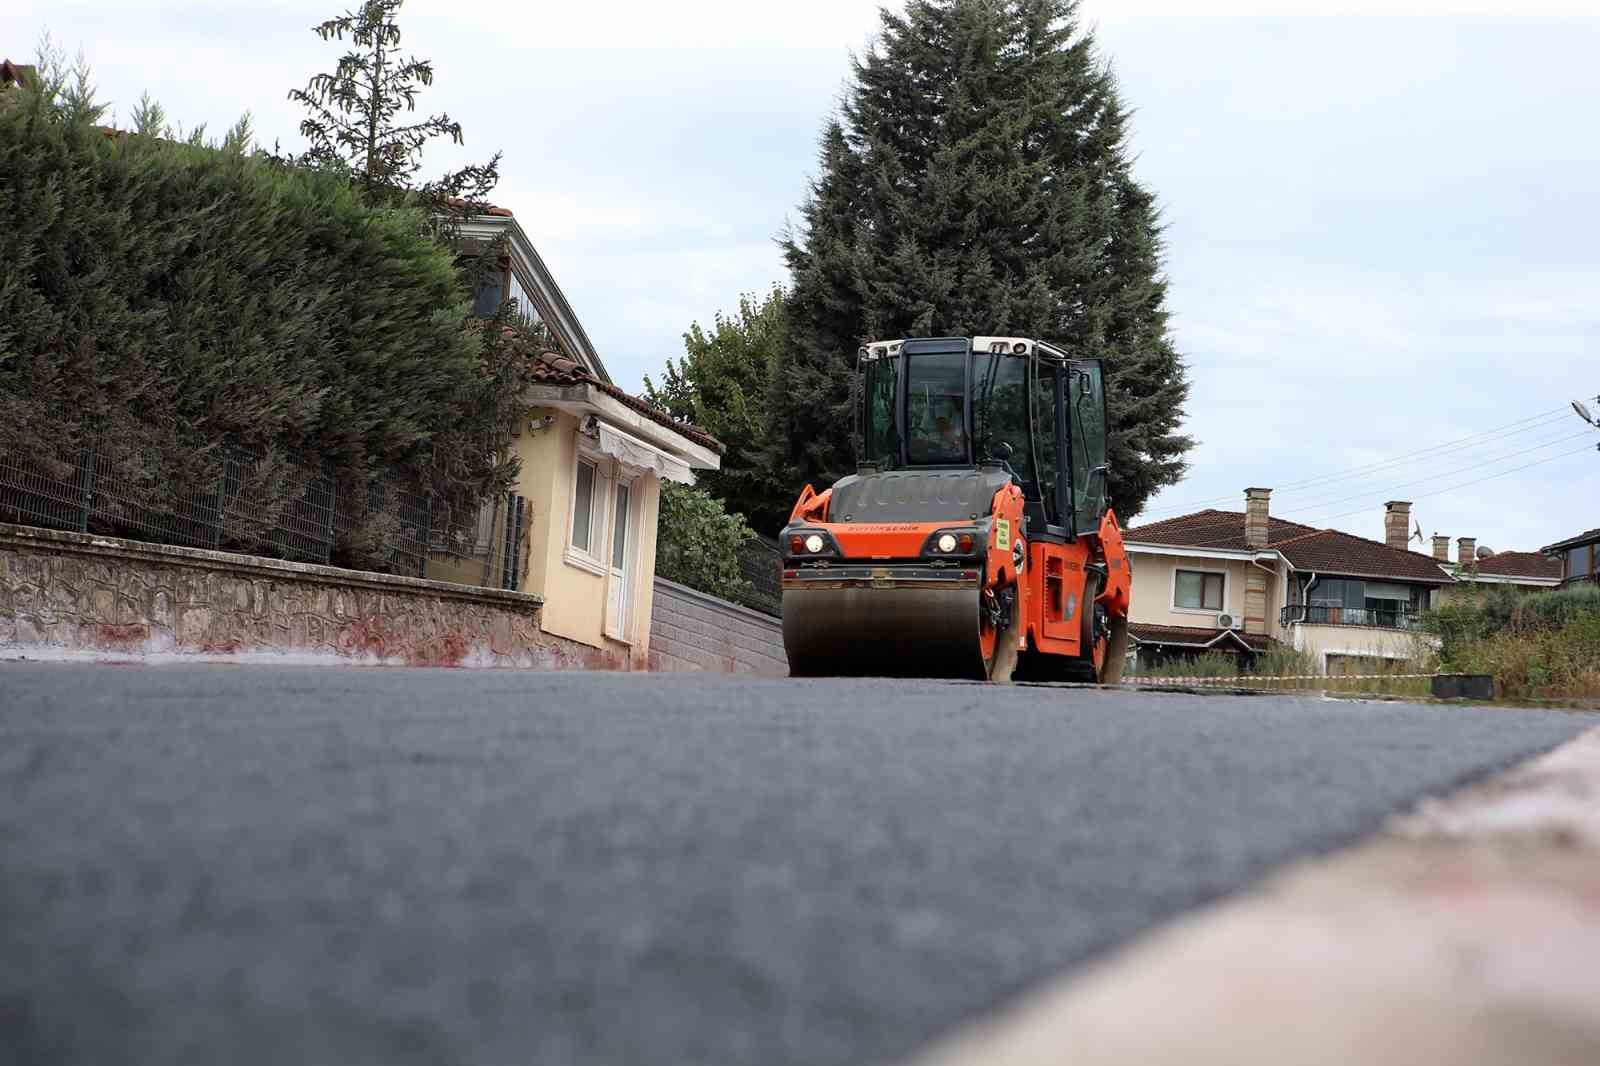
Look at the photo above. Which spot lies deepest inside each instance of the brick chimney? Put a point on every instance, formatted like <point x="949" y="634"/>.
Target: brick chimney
<point x="1255" y="517"/>
<point x="1441" y="547"/>
<point x="1397" y="524"/>
<point x="1467" y="551"/>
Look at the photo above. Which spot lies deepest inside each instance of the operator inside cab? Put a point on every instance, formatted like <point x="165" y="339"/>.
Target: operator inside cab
<point x="938" y="415"/>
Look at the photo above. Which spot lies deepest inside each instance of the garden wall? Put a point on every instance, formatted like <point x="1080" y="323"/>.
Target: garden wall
<point x="77" y="596"/>
<point x="690" y="630"/>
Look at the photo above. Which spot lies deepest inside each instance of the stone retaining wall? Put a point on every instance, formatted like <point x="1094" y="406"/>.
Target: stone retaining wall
<point x="69" y="595"/>
<point x="690" y="630"/>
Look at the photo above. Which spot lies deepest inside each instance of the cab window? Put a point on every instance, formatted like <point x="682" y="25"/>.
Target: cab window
<point x="936" y="385"/>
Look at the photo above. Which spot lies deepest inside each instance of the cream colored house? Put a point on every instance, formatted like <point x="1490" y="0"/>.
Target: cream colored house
<point x="580" y="523"/>
<point x="1242" y="582"/>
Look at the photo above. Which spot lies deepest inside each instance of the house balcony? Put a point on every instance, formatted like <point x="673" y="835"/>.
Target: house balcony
<point x="1368" y="617"/>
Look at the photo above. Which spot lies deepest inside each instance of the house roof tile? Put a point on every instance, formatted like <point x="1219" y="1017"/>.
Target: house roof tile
<point x="553" y="368"/>
<point x="488" y="209"/>
<point x="1520" y="564"/>
<point x="1334" y="552"/>
<point x="1211" y="529"/>
<point x="1306" y="547"/>
<point x="1196" y="637"/>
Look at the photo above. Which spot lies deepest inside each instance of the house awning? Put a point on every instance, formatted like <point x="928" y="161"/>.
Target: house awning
<point x="633" y="452"/>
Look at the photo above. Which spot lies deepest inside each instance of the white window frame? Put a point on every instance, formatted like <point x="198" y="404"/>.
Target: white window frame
<point x="630" y="553"/>
<point x="1212" y="611"/>
<point x="590" y="559"/>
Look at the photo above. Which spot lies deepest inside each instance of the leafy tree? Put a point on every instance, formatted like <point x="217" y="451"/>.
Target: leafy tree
<point x="698" y="542"/>
<point x="721" y="384"/>
<point x="358" y="119"/>
<point x="978" y="181"/>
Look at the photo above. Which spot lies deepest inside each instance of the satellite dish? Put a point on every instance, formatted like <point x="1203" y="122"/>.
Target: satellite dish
<point x="1583" y="412"/>
<point x="1485" y="553"/>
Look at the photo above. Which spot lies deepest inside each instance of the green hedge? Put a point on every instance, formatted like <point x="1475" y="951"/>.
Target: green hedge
<point x="178" y="296"/>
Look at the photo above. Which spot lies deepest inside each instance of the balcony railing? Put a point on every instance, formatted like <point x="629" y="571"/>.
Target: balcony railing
<point x="1376" y="617"/>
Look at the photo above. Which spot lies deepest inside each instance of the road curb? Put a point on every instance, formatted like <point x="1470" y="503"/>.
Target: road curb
<point x="1465" y="933"/>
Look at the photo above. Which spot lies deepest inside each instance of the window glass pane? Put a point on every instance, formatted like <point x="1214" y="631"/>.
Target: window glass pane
<point x="1000" y="414"/>
<point x="1212" y="600"/>
<point x="524" y="302"/>
<point x="1329" y="592"/>
<point x="491" y="292"/>
<point x="936" y="386"/>
<point x="1044" y="435"/>
<point x="880" y="435"/>
<point x="583" y="507"/>
<point x="1190" y="589"/>
<point x="1578" y="562"/>
<point x="619" y="524"/>
<point x="1086" y="423"/>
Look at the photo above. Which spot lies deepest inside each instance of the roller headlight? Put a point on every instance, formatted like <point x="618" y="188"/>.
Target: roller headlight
<point x="814" y="543"/>
<point x="947" y="542"/>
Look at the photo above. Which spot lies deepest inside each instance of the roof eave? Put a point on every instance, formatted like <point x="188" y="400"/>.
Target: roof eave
<point x="553" y="308"/>
<point x="584" y="398"/>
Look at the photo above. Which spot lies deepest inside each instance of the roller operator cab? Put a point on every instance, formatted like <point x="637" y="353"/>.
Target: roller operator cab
<point x="974" y="539"/>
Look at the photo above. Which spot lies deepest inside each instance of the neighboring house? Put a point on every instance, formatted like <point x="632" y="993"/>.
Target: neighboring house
<point x="1239" y="582"/>
<point x="1479" y="567"/>
<point x="16" y="75"/>
<point x="1579" y="557"/>
<point x="593" y="457"/>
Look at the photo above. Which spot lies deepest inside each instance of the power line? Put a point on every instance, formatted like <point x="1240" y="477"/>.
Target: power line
<point x="1320" y="504"/>
<point x="1510" y="429"/>
<point x="1234" y="526"/>
<point x="1478" y="481"/>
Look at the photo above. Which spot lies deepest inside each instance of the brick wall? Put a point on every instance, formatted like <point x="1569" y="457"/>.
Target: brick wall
<point x="70" y="595"/>
<point x="692" y="631"/>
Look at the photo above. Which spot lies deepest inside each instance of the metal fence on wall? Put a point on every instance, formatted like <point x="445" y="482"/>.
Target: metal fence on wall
<point x="231" y="499"/>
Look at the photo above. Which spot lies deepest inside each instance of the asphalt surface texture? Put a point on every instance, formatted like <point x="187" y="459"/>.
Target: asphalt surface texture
<point x="276" y="865"/>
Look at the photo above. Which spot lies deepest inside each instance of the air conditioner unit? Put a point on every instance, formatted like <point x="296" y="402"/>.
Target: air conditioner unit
<point x="1225" y="620"/>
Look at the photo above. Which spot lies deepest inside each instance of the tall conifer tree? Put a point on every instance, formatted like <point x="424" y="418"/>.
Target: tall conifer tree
<point x="978" y="181"/>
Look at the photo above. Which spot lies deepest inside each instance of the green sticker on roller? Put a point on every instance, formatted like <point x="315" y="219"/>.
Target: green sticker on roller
<point x="1002" y="534"/>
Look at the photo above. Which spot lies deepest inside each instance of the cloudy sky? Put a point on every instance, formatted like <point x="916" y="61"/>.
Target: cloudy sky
<point x="1381" y="229"/>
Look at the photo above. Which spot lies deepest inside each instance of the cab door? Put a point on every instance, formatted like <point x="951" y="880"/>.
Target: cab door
<point x="1086" y="443"/>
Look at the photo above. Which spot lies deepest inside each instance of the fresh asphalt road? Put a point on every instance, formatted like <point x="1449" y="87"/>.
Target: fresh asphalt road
<point x="275" y="865"/>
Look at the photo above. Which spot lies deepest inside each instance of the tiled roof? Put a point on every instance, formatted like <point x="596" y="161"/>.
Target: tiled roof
<point x="17" y="74"/>
<point x="1192" y="636"/>
<point x="1520" y="564"/>
<point x="1211" y="529"/>
<point x="1332" y="552"/>
<point x="488" y="209"/>
<point x="1591" y="537"/>
<point x="1306" y="547"/>
<point x="552" y="368"/>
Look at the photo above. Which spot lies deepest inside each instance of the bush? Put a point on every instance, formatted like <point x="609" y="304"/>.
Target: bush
<point x="181" y="296"/>
<point x="698" y="543"/>
<point x="1539" y="663"/>
<point x="1544" y="644"/>
<point x="1471" y="616"/>
<point x="1208" y="664"/>
<point x="1282" y="661"/>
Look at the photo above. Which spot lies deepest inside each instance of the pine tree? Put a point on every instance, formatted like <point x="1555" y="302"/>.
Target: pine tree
<point x="978" y="181"/>
<point x="357" y="120"/>
<point x="721" y="385"/>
